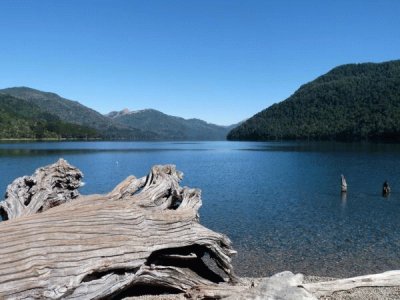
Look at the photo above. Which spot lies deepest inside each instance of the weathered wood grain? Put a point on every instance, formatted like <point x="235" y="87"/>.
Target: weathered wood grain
<point x="50" y="186"/>
<point x="145" y="231"/>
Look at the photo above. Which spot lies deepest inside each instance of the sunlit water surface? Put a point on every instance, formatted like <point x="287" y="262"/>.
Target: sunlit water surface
<point x="280" y="203"/>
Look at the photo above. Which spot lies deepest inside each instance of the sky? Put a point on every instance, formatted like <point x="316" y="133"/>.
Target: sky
<point x="217" y="60"/>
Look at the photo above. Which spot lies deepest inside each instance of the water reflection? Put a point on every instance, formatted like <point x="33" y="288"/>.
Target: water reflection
<point x="302" y="226"/>
<point x="36" y="152"/>
<point x="324" y="147"/>
<point x="344" y="199"/>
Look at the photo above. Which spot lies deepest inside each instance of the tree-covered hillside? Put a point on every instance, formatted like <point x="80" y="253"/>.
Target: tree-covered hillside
<point x="170" y="127"/>
<point x="351" y="102"/>
<point x="30" y="113"/>
<point x="73" y="112"/>
<point x="22" y="119"/>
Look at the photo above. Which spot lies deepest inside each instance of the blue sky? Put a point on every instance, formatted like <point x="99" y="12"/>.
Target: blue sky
<point x="221" y="61"/>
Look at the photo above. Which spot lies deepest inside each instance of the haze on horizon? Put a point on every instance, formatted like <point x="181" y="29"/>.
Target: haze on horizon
<point x="220" y="61"/>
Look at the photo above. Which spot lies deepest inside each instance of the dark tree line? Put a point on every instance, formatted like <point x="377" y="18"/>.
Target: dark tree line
<point x="22" y="119"/>
<point x="351" y="102"/>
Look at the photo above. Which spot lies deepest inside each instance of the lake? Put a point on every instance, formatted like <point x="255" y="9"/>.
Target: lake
<point x="279" y="202"/>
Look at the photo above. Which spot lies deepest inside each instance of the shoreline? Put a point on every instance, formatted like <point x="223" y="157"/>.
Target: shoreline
<point x="46" y="139"/>
<point x="360" y="293"/>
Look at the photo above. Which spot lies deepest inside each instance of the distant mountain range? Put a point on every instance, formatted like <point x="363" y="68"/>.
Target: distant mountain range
<point x="351" y="102"/>
<point x="170" y="127"/>
<point x="75" y="113"/>
<point x="30" y="113"/>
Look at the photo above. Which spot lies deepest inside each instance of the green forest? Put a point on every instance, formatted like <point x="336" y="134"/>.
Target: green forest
<point x="20" y="119"/>
<point x="57" y="117"/>
<point x="351" y="102"/>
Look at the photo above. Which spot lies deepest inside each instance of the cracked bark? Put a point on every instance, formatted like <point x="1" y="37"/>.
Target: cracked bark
<point x="48" y="187"/>
<point x="144" y="232"/>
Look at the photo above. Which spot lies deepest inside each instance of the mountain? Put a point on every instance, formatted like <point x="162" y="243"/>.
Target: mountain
<point x="115" y="114"/>
<point x="23" y="119"/>
<point x="350" y="102"/>
<point x="170" y="127"/>
<point x="76" y="113"/>
<point x="57" y="115"/>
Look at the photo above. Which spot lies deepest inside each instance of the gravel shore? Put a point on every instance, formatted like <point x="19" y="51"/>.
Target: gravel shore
<point x="365" y="293"/>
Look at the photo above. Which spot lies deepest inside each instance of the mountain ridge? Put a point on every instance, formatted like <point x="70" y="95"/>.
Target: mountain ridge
<point x="125" y="124"/>
<point x="170" y="127"/>
<point x="74" y="112"/>
<point x="350" y="102"/>
<point x="20" y="119"/>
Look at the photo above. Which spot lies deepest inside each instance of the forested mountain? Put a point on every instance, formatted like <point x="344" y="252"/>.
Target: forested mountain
<point x="30" y="113"/>
<point x="23" y="119"/>
<point x="76" y="113"/>
<point x="170" y="127"/>
<point x="351" y="102"/>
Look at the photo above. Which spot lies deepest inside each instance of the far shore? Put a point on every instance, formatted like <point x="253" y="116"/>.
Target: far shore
<point x="48" y="139"/>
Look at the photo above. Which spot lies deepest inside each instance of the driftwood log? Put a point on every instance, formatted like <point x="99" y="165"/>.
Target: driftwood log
<point x="146" y="232"/>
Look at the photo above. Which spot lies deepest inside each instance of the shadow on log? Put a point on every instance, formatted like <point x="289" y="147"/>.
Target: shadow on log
<point x="146" y="232"/>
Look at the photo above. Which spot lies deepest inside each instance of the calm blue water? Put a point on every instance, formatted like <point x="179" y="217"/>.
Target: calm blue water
<point x="280" y="203"/>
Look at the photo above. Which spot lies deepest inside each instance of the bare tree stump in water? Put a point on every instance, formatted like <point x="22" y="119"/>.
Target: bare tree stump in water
<point x="343" y="184"/>
<point x="385" y="189"/>
<point x="144" y="232"/>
